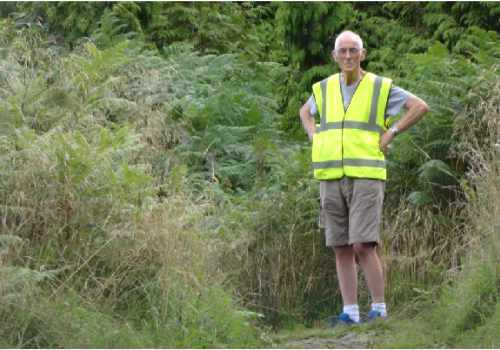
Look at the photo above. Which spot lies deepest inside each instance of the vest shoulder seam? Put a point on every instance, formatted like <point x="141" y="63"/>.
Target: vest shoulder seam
<point x="325" y="79"/>
<point x="383" y="78"/>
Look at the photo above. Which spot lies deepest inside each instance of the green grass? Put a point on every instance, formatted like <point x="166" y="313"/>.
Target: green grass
<point x="465" y="315"/>
<point x="69" y="321"/>
<point x="486" y="336"/>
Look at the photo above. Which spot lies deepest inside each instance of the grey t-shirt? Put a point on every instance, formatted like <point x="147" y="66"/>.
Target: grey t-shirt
<point x="397" y="98"/>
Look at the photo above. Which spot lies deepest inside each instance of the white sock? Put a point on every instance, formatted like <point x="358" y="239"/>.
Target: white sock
<point x="380" y="307"/>
<point x="352" y="311"/>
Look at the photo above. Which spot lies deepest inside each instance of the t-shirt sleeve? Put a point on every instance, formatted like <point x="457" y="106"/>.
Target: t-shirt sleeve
<point x="397" y="99"/>
<point x="312" y="105"/>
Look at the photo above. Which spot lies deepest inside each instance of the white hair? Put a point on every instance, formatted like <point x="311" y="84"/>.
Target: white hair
<point x="355" y="36"/>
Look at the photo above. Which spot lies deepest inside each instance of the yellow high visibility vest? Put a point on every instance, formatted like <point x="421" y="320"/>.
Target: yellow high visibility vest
<point x="346" y="142"/>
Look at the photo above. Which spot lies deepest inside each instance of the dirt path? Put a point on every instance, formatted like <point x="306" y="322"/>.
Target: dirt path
<point x="347" y="341"/>
<point x="355" y="337"/>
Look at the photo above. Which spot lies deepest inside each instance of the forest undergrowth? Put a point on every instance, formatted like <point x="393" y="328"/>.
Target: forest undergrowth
<point x="464" y="311"/>
<point x="156" y="189"/>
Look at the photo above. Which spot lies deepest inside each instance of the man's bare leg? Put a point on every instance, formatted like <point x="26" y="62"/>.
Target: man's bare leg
<point x="347" y="274"/>
<point x="372" y="269"/>
<point x="348" y="280"/>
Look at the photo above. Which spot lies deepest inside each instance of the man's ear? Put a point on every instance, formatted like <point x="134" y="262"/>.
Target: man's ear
<point x="334" y="57"/>
<point x="363" y="54"/>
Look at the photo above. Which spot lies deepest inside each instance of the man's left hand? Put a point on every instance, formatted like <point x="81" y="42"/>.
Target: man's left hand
<point x="385" y="140"/>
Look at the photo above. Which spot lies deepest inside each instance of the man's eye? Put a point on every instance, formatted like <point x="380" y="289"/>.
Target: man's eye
<point x="352" y="50"/>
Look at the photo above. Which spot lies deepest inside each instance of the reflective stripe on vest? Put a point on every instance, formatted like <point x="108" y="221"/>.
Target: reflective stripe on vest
<point x="346" y="142"/>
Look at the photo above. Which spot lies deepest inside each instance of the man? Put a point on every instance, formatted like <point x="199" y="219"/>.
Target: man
<point x="348" y="156"/>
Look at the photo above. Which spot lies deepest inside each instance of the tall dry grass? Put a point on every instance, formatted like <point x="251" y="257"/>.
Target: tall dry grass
<point x="421" y="246"/>
<point x="148" y="282"/>
<point x="275" y="256"/>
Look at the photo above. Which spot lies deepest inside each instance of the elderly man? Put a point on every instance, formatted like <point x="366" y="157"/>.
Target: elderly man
<point x="348" y="157"/>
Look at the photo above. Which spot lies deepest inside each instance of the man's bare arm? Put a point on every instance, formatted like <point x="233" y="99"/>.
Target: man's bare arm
<point x="416" y="108"/>
<point x="308" y="121"/>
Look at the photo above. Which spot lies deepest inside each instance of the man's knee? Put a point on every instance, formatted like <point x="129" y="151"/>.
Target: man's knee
<point x="344" y="252"/>
<point x="364" y="249"/>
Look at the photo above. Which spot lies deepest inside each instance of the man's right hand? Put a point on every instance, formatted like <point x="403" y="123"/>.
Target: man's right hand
<point x="308" y="121"/>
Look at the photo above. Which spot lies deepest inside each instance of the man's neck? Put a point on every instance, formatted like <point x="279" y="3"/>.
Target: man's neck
<point x="352" y="77"/>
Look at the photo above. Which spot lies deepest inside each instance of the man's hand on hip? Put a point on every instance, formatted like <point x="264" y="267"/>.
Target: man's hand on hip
<point x="416" y="108"/>
<point x="385" y="140"/>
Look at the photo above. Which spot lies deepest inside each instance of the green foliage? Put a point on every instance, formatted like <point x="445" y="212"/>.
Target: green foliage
<point x="78" y="196"/>
<point x="150" y="167"/>
<point x="444" y="80"/>
<point x="212" y="28"/>
<point x="465" y="313"/>
<point x="210" y="320"/>
<point x="227" y="102"/>
<point x="62" y="18"/>
<point x="308" y="33"/>
<point x="486" y="334"/>
<point x="435" y="178"/>
<point x="308" y="30"/>
<point x="91" y="176"/>
<point x="470" y="304"/>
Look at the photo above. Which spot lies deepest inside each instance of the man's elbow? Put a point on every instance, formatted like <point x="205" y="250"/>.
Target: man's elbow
<point x="423" y="107"/>
<point x="304" y="111"/>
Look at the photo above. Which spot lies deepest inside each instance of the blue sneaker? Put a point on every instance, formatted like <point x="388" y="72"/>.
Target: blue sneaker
<point x="342" y="319"/>
<point x="374" y="314"/>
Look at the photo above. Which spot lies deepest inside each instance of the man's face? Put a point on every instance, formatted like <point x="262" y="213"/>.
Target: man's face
<point x="348" y="54"/>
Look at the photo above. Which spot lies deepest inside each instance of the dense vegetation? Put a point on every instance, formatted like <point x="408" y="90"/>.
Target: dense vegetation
<point x="156" y="188"/>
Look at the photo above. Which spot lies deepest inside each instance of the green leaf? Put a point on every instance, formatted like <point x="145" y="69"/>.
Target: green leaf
<point x="438" y="50"/>
<point x="419" y="198"/>
<point x="436" y="172"/>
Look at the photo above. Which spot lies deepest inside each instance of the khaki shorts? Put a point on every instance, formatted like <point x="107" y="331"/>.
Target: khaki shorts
<point x="351" y="210"/>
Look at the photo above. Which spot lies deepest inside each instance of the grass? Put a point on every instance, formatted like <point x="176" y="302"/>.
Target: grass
<point x="96" y="250"/>
<point x="466" y="307"/>
<point x="485" y="336"/>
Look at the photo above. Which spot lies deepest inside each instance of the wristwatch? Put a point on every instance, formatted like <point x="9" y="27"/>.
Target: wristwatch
<point x="394" y="130"/>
